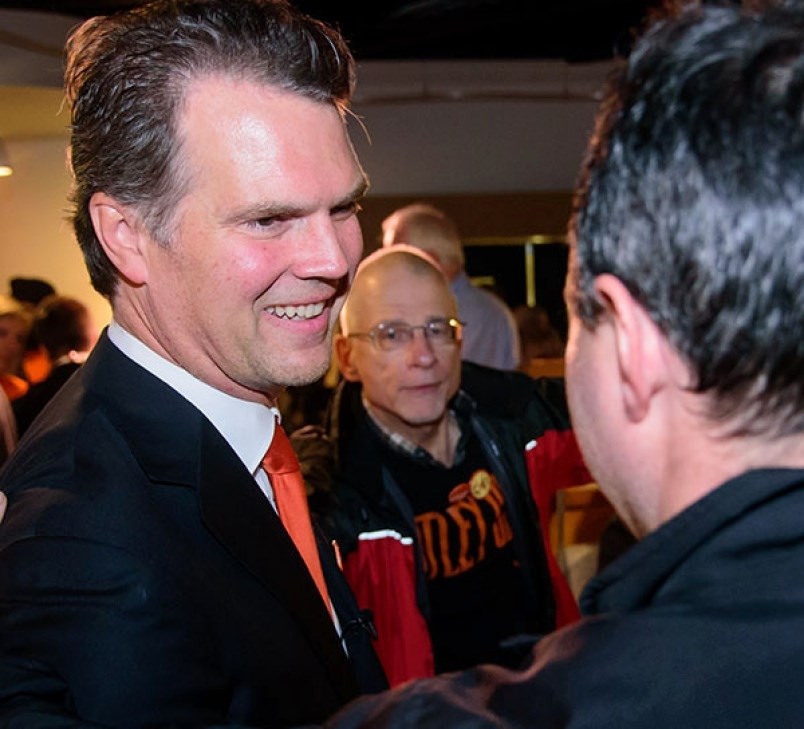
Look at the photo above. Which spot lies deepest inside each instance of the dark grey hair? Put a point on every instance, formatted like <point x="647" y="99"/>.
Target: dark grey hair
<point x="692" y="195"/>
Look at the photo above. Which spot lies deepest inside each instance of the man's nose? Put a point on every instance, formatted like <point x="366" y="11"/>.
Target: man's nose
<point x="420" y="349"/>
<point x="324" y="255"/>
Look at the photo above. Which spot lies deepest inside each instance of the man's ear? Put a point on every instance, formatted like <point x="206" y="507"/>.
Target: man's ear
<point x="343" y="355"/>
<point x="638" y="345"/>
<point x="121" y="235"/>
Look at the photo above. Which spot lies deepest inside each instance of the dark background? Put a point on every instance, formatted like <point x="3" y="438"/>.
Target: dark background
<point x="574" y="30"/>
<point x="506" y="265"/>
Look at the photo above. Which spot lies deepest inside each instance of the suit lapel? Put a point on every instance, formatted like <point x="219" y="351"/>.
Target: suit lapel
<point x="176" y="445"/>
<point x="235" y="510"/>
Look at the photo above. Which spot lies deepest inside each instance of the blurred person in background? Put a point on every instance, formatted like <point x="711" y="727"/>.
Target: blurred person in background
<point x="538" y="338"/>
<point x="15" y="328"/>
<point x="490" y="335"/>
<point x="64" y="327"/>
<point x="30" y="292"/>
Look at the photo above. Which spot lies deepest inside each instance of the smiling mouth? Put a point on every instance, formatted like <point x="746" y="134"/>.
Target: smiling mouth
<point x="299" y="312"/>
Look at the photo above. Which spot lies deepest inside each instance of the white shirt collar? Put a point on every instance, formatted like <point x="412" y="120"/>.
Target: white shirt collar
<point x="248" y="427"/>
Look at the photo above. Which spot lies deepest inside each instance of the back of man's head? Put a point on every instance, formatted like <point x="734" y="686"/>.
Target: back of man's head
<point x="693" y="196"/>
<point x="426" y="227"/>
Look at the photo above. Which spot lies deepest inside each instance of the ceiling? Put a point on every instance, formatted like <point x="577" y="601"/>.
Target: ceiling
<point x="573" y="34"/>
<point x="571" y="30"/>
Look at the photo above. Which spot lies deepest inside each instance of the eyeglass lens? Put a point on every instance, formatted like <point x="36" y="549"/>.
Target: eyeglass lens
<point x="395" y="334"/>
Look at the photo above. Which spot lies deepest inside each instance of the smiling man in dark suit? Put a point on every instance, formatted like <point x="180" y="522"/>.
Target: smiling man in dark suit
<point x="145" y="576"/>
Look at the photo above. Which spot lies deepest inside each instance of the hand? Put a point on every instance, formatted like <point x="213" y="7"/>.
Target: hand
<point x="3" y="502"/>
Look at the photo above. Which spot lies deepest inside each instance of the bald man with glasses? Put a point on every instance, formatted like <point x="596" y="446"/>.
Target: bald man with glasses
<point x="419" y="477"/>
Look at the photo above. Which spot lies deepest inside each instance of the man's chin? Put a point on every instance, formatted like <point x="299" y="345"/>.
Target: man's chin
<point x="425" y="419"/>
<point x="304" y="373"/>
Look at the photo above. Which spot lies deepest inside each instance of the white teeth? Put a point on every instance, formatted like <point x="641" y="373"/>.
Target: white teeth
<point x="304" y="311"/>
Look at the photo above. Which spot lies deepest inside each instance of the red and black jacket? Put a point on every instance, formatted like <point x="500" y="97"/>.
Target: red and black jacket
<point x="358" y="504"/>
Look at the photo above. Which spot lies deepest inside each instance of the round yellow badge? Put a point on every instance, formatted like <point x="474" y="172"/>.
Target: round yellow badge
<point x="480" y="484"/>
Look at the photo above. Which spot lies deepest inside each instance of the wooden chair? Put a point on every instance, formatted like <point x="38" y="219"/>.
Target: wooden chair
<point x="581" y="514"/>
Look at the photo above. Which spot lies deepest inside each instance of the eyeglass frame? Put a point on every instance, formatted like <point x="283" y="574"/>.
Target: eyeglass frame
<point x="454" y="325"/>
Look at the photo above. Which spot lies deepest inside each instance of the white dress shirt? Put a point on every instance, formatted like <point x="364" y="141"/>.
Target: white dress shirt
<point x="248" y="427"/>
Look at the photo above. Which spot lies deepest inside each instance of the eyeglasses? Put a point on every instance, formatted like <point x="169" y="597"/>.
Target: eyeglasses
<point x="390" y="335"/>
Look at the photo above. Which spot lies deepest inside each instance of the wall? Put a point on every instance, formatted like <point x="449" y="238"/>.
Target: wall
<point x="37" y="239"/>
<point x="502" y="168"/>
<point x="498" y="144"/>
<point x="473" y="147"/>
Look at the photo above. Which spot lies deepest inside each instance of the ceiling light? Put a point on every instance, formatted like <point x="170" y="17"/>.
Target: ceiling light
<point x="5" y="162"/>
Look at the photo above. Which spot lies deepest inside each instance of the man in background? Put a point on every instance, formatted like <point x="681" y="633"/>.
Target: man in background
<point x="491" y="336"/>
<point x="421" y="479"/>
<point x="684" y="375"/>
<point x="30" y="292"/>
<point x="15" y="329"/>
<point x="64" y="327"/>
<point x="149" y="575"/>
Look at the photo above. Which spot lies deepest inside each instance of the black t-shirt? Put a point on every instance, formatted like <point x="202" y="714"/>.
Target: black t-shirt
<point x="476" y="590"/>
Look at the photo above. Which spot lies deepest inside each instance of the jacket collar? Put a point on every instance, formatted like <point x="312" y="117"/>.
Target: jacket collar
<point x="177" y="446"/>
<point x="693" y="546"/>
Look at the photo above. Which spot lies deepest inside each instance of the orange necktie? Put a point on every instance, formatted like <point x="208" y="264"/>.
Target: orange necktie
<point x="282" y="467"/>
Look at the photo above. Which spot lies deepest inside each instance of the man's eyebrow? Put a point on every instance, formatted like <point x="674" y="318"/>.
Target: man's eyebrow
<point x="358" y="192"/>
<point x="262" y="210"/>
<point x="278" y="210"/>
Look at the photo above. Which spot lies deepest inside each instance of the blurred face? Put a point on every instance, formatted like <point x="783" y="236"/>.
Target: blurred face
<point x="13" y="335"/>
<point x="408" y="387"/>
<point x="266" y="241"/>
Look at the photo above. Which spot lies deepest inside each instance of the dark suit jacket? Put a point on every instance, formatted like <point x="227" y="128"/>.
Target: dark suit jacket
<point x="144" y="578"/>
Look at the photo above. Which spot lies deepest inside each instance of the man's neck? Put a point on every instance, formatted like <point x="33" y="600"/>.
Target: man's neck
<point x="439" y="439"/>
<point x="710" y="460"/>
<point x="442" y="442"/>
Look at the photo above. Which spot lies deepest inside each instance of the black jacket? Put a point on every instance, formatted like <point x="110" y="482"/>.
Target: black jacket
<point x="701" y="625"/>
<point x="144" y="578"/>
